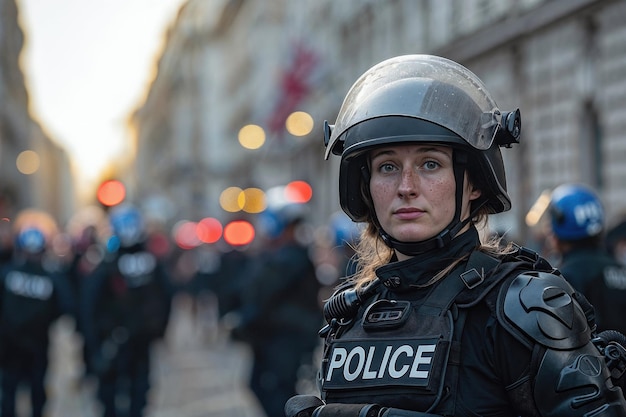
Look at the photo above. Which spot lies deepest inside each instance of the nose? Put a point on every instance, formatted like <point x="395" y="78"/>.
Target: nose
<point x="408" y="183"/>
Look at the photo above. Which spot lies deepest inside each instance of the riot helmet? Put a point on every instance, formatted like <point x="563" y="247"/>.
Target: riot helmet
<point x="345" y="231"/>
<point x="31" y="240"/>
<point x="576" y="212"/>
<point x="33" y="230"/>
<point x="280" y="212"/>
<point x="127" y="224"/>
<point x="429" y="99"/>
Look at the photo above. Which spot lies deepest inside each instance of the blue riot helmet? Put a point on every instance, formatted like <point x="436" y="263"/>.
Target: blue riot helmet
<point x="127" y="225"/>
<point x="345" y="231"/>
<point x="270" y="224"/>
<point x="576" y="212"/>
<point x="30" y="240"/>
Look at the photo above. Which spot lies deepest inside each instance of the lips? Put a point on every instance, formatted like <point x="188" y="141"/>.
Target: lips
<point x="408" y="210"/>
<point x="408" y="213"/>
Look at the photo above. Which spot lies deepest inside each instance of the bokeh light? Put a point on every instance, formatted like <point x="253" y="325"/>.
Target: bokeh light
<point x="250" y="200"/>
<point x="239" y="233"/>
<point x="184" y="234"/>
<point x="254" y="200"/>
<point x="111" y="193"/>
<point x="209" y="230"/>
<point x="36" y="218"/>
<point x="28" y="162"/>
<point x="251" y="136"/>
<point x="298" y="192"/>
<point x="299" y="123"/>
<point x="230" y="199"/>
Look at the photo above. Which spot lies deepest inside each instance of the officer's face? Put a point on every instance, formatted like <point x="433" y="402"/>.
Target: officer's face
<point x="413" y="190"/>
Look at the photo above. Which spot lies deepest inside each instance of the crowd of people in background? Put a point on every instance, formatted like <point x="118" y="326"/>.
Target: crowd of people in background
<point x="117" y="276"/>
<point x="106" y="279"/>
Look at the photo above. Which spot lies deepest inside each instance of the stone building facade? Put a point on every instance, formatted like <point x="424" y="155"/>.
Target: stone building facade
<point x="50" y="187"/>
<point x="231" y="62"/>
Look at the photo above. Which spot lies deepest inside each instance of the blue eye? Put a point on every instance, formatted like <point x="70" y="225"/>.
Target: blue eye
<point x="387" y="168"/>
<point x="430" y="165"/>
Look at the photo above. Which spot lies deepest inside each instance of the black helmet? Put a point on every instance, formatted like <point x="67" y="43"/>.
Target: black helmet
<point x="421" y="98"/>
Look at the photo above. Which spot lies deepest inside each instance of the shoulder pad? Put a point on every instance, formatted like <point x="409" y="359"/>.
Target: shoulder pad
<point x="541" y="306"/>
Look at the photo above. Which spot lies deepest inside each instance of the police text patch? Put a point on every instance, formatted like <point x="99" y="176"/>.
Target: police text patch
<point x="372" y="363"/>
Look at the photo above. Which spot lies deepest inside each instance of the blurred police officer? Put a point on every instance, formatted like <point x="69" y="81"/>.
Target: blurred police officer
<point x="32" y="297"/>
<point x="280" y="311"/>
<point x="124" y="305"/>
<point x="334" y="254"/>
<point x="578" y="222"/>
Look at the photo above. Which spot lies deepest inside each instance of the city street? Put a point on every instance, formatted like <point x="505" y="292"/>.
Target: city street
<point x="197" y="372"/>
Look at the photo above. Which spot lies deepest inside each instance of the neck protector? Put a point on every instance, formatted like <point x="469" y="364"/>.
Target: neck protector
<point x="419" y="269"/>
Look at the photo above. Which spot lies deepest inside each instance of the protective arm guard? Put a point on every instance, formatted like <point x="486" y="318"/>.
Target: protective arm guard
<point x="569" y="376"/>
<point x="311" y="406"/>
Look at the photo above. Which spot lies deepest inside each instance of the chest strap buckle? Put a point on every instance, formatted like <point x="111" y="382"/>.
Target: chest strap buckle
<point x="472" y="278"/>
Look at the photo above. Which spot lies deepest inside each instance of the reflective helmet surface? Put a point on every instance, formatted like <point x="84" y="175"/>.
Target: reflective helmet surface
<point x="127" y="225"/>
<point x="576" y="212"/>
<point x="31" y="240"/>
<point x="417" y="98"/>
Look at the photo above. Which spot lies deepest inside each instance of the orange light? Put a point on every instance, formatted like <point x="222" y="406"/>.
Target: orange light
<point x="239" y="233"/>
<point x="298" y="192"/>
<point x="232" y="199"/>
<point x="111" y="193"/>
<point x="254" y="200"/>
<point x="40" y="219"/>
<point x="299" y="123"/>
<point x="28" y="162"/>
<point x="209" y="230"/>
<point x="251" y="136"/>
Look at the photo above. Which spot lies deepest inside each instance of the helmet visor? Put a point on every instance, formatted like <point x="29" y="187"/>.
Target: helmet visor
<point x="424" y="87"/>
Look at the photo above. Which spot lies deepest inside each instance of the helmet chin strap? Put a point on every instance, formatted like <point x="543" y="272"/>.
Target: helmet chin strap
<point x="444" y="237"/>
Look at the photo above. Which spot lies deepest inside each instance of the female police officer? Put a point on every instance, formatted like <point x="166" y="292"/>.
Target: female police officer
<point x="434" y="323"/>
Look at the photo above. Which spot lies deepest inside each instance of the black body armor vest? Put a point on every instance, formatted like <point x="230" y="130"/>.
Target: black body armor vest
<point x="403" y="352"/>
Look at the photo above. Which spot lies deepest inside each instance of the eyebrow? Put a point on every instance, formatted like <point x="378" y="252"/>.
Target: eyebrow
<point x="424" y="149"/>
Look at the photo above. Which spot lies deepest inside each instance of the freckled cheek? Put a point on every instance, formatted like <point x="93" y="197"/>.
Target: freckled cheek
<point x="381" y="192"/>
<point x="443" y="195"/>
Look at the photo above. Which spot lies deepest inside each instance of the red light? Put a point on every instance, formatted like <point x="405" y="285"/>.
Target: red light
<point x="111" y="193"/>
<point x="239" y="233"/>
<point x="209" y="230"/>
<point x="185" y="235"/>
<point x="298" y="192"/>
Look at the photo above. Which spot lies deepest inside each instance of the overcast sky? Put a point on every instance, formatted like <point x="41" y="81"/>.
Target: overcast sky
<point x="87" y="65"/>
